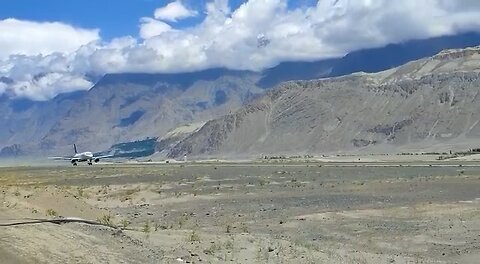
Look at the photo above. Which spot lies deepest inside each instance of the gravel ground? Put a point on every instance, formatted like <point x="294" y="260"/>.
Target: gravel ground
<point x="244" y="213"/>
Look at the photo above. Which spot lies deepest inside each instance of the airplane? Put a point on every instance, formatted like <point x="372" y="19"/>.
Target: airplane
<point x="82" y="157"/>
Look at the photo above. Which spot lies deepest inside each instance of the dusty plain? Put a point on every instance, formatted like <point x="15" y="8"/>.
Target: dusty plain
<point x="276" y="212"/>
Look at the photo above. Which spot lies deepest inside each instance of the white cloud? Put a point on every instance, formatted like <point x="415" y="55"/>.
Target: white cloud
<point x="331" y="28"/>
<point x="151" y="27"/>
<point x="174" y="11"/>
<point x="44" y="59"/>
<point x="33" y="38"/>
<point x="44" y="87"/>
<point x="260" y="33"/>
<point x="43" y="77"/>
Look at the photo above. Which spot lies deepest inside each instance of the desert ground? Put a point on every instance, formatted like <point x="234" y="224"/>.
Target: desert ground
<point x="256" y="212"/>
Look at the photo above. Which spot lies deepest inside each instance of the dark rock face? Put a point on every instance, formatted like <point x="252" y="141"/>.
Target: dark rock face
<point x="12" y="151"/>
<point x="132" y="119"/>
<point x="390" y="129"/>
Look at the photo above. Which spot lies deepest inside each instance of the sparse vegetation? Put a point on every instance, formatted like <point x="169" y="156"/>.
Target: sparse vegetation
<point x="81" y="192"/>
<point x="158" y="226"/>
<point x="146" y="229"/>
<point x="183" y="219"/>
<point x="193" y="237"/>
<point x="106" y="220"/>
<point x="125" y="223"/>
<point x="51" y="212"/>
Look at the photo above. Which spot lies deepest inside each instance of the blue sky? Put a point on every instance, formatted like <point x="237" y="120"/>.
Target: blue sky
<point x="114" y="18"/>
<point x="51" y="46"/>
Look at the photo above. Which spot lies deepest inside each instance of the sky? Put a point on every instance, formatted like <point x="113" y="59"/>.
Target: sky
<point x="53" y="46"/>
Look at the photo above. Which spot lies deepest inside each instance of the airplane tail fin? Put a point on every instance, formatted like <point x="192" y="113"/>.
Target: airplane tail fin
<point x="75" y="148"/>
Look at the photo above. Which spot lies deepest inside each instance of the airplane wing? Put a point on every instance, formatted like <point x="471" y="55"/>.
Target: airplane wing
<point x="60" y="158"/>
<point x="102" y="157"/>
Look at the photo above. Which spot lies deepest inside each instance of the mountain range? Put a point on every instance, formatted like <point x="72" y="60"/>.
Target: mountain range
<point x="245" y="112"/>
<point x="428" y="104"/>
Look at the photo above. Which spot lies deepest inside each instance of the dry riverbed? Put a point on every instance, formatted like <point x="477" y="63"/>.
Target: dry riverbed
<point x="242" y="213"/>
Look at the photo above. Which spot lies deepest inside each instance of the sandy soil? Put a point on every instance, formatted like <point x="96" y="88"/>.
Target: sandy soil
<point x="243" y="213"/>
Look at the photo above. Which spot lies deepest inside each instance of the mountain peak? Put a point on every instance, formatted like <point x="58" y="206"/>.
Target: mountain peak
<point x="447" y="61"/>
<point x="450" y="54"/>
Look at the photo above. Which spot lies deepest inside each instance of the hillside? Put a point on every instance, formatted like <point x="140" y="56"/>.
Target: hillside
<point x="127" y="110"/>
<point x="430" y="103"/>
<point x="128" y="107"/>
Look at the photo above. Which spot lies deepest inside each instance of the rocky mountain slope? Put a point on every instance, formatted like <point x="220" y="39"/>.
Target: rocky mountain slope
<point x="429" y="103"/>
<point x="130" y="107"/>
<point x="24" y="122"/>
<point x="122" y="111"/>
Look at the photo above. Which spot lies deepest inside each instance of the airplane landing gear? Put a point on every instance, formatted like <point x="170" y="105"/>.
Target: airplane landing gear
<point x="90" y="162"/>
<point x="74" y="164"/>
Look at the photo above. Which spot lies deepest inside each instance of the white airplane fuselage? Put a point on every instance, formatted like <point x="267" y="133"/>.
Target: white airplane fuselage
<point x="82" y="157"/>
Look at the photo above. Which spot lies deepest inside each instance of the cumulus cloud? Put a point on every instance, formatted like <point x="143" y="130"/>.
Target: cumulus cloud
<point x="173" y="12"/>
<point x="258" y="34"/>
<point x="43" y="77"/>
<point x="21" y="37"/>
<point x="45" y="86"/>
<point x="42" y="60"/>
<point x="261" y="33"/>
